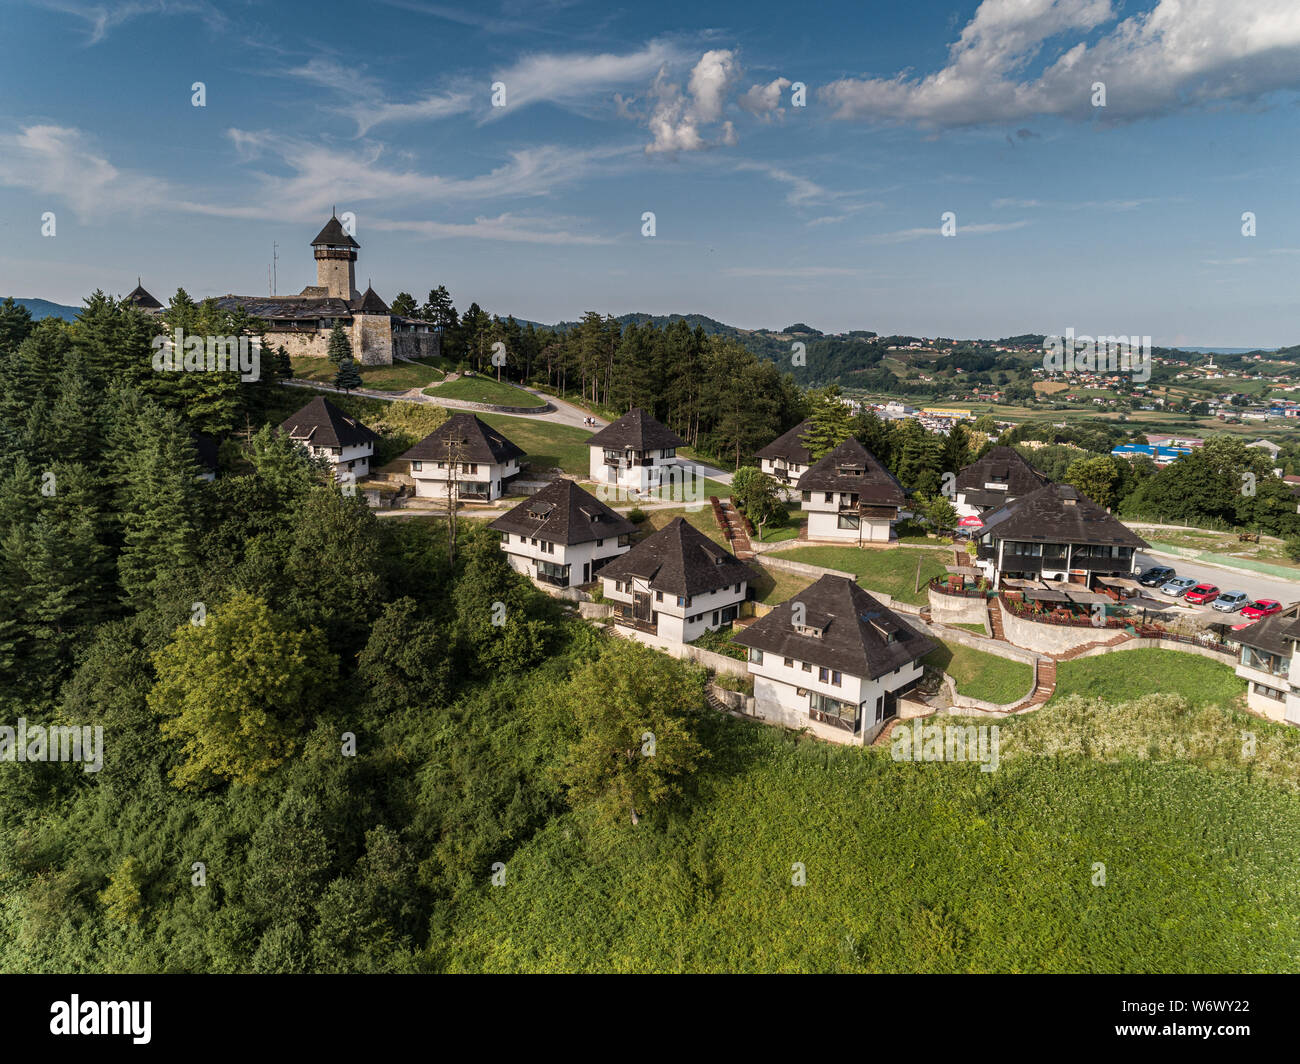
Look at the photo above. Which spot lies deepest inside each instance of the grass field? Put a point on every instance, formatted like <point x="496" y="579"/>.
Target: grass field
<point x="978" y="629"/>
<point x="548" y="445"/>
<point x="981" y="675"/>
<point x="967" y="871"/>
<point x="399" y="377"/>
<point x="484" y="390"/>
<point x="773" y="586"/>
<point x="1129" y="674"/>
<point x="789" y="530"/>
<point x="701" y="519"/>
<point x="891" y="570"/>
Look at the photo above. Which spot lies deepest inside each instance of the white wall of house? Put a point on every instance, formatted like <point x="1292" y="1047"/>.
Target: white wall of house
<point x="824" y="521"/>
<point x="1263" y="689"/>
<point x="524" y="555"/>
<point x="786" y="472"/>
<point x="777" y="685"/>
<point x="351" y="461"/>
<point x="636" y="470"/>
<point x="431" y="476"/>
<point x="681" y="623"/>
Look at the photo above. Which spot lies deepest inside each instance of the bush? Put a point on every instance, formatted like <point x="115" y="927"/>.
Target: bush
<point x="636" y="515"/>
<point x="1292" y="548"/>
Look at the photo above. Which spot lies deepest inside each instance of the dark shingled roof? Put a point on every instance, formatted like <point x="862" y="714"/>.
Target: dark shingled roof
<point x="856" y="631"/>
<point x="1058" y="513"/>
<point x="1274" y="634"/>
<point x="271" y="308"/>
<point x="679" y="559"/>
<point x="1001" y="465"/>
<point x="638" y="430"/>
<point x="563" y="513"/>
<point x="333" y="233"/>
<point x="479" y="442"/>
<point x="874" y="484"/>
<point x="370" y="303"/>
<point x="142" y="299"/>
<point x="322" y="424"/>
<point x="789" y="446"/>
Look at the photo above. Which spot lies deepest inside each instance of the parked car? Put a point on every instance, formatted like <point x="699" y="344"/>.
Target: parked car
<point x="1201" y="594"/>
<point x="1156" y="576"/>
<point x="1260" y="608"/>
<point x="1231" y="601"/>
<point x="1178" y="586"/>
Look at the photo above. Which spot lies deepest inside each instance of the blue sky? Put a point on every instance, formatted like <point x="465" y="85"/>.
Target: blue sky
<point x="1117" y="220"/>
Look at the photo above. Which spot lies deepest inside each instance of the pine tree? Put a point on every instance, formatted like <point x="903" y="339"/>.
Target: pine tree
<point x="347" y="377"/>
<point x="340" y="347"/>
<point x="403" y="305"/>
<point x="831" y="422"/>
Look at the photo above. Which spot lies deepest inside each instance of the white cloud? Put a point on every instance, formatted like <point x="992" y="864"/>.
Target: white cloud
<point x="900" y="236"/>
<point x="677" y="118"/>
<point x="103" y="16"/>
<point x="1176" y="55"/>
<point x="765" y="100"/>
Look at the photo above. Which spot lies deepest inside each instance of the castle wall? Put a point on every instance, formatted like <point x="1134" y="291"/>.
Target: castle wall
<point x="416" y="345"/>
<point x="300" y="344"/>
<point x="372" y="339"/>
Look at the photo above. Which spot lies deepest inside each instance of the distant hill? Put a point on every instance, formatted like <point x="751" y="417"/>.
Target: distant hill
<point x="43" y="308"/>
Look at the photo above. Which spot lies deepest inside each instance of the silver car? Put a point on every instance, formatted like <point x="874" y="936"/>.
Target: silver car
<point x="1230" y="601"/>
<point x="1178" y="586"/>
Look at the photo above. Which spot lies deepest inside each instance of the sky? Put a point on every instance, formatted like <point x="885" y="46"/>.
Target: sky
<point x="771" y="206"/>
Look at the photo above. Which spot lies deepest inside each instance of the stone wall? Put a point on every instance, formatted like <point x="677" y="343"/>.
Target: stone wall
<point x="372" y="339"/>
<point x="957" y="609"/>
<point x="416" y="345"/>
<point x="1051" y="638"/>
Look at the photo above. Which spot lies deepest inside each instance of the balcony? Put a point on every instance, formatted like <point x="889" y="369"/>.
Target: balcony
<point x="833" y="720"/>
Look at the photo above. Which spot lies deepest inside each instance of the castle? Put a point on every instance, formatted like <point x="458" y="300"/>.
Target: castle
<point x="302" y="324"/>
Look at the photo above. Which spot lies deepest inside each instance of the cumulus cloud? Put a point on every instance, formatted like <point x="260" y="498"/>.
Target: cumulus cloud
<point x="1174" y="56"/>
<point x="676" y="122"/>
<point x="765" y="100"/>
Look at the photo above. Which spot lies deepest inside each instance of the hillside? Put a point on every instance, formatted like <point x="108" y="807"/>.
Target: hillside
<point x="43" y="308"/>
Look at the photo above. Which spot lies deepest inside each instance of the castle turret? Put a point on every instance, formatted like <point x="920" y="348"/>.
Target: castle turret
<point x="336" y="256"/>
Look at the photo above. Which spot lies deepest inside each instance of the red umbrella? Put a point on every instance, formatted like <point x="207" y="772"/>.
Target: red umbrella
<point x="970" y="522"/>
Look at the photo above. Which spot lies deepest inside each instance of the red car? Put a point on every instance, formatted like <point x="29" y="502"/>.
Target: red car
<point x="1201" y="594"/>
<point x="1260" y="608"/>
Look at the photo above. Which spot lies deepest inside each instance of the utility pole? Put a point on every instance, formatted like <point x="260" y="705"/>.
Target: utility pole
<point x="275" y="258"/>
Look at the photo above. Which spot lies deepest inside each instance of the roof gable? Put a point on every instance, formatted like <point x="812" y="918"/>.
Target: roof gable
<point x="564" y="513"/>
<point x="477" y="442"/>
<point x="322" y="424"/>
<point x="638" y="430"/>
<point x="1001" y="465"/>
<point x="679" y="559"/>
<point x="789" y="445"/>
<point x="850" y="467"/>
<point x="1058" y="513"/>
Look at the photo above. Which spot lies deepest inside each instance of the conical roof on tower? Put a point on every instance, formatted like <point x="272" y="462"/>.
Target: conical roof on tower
<point x="334" y="235"/>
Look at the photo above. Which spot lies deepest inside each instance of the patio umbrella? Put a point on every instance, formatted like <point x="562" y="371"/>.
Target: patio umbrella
<point x="970" y="522"/>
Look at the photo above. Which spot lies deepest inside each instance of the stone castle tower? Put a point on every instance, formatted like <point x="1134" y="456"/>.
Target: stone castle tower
<point x="336" y="256"/>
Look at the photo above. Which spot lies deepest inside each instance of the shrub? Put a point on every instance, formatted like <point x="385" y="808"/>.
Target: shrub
<point x="636" y="515"/>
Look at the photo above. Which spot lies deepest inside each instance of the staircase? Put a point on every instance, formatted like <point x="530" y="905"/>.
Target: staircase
<point x="1044" y="688"/>
<point x="740" y="545"/>
<point x="995" y="619"/>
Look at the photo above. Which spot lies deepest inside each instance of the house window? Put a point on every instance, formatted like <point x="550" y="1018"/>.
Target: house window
<point x="807" y="666"/>
<point x="823" y="675"/>
<point x="416" y="467"/>
<point x="715" y="618"/>
<point x="807" y="496"/>
<point x="623" y="541"/>
<point x="755" y="656"/>
<point x="836" y="677"/>
<point x="833" y="707"/>
<point x="737" y="589"/>
<point x="828" y="496"/>
<point x="600" y="543"/>
<point x="849" y="521"/>
<point x="659" y="596"/>
<point x="1268" y="692"/>
<point x="789" y="663"/>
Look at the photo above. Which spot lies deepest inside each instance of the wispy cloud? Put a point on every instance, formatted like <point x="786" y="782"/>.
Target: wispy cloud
<point x="900" y="236"/>
<point x="505" y="227"/>
<point x="104" y="16"/>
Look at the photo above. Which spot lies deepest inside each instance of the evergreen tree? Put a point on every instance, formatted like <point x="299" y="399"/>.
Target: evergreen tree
<point x="339" y="349"/>
<point x="831" y="422"/>
<point x="403" y="305"/>
<point x="347" y="377"/>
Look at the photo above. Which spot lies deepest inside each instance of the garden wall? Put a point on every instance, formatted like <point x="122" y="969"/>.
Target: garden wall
<point x="957" y="609"/>
<point x="685" y="652"/>
<point x="1052" y="638"/>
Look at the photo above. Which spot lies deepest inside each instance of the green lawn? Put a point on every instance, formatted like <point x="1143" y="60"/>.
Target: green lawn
<point x="790" y="530"/>
<point x="484" y="390"/>
<point x="978" y="629"/>
<point x="548" y="445"/>
<point x="701" y="519"/>
<point x="1128" y="674"/>
<point x="969" y="871"/>
<point x="891" y="570"/>
<point x="399" y="377"/>
<point x="773" y="586"/>
<point x="979" y="674"/>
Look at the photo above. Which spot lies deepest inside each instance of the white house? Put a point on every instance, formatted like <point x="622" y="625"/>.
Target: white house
<point x="481" y="460"/>
<point x="562" y="536"/>
<point x="833" y="660"/>
<point x="676" y="584"/>
<point x="634" y="452"/>
<point x="849" y="496"/>
<point x="995" y="478"/>
<point x="327" y="432"/>
<point x="786" y="458"/>
<point x="1270" y="662"/>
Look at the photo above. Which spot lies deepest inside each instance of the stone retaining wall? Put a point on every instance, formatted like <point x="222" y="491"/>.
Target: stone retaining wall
<point x="954" y="609"/>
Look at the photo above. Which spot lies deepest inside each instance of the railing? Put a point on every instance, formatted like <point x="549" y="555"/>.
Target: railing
<point x="1017" y="609"/>
<point x="1154" y="631"/>
<point x="943" y="588"/>
<point x="832" y="720"/>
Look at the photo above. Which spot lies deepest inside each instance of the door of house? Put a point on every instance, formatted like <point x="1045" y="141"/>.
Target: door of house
<point x="586" y="572"/>
<point x="880" y="708"/>
<point x="641" y="605"/>
<point x="891" y="704"/>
